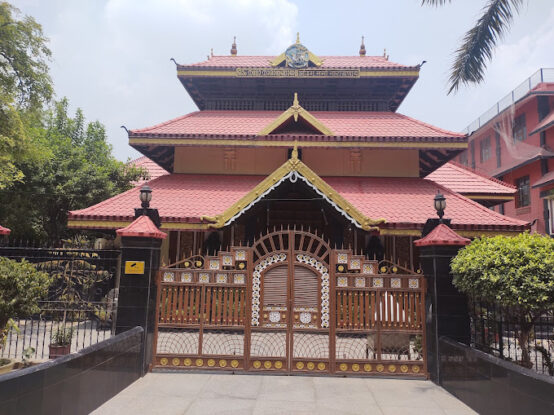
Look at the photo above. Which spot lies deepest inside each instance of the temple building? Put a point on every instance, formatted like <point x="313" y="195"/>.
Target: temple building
<point x="291" y="200"/>
<point x="305" y="141"/>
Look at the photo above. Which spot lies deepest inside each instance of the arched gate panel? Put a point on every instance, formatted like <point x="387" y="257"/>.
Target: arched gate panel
<point x="290" y="303"/>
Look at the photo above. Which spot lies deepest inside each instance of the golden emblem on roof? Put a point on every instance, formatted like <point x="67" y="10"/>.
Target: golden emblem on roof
<point x="297" y="56"/>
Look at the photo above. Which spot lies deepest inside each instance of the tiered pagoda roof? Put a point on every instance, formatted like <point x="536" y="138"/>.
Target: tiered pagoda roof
<point x="346" y="103"/>
<point x="361" y="83"/>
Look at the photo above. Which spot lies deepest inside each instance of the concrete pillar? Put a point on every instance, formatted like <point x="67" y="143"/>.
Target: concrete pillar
<point x="446" y="308"/>
<point x="140" y="261"/>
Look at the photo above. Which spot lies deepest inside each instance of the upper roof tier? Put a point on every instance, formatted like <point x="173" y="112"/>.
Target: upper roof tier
<point x="326" y="83"/>
<point x="371" y="126"/>
<point x="340" y="62"/>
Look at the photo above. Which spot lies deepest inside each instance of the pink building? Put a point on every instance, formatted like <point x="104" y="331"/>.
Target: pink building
<point x="514" y="141"/>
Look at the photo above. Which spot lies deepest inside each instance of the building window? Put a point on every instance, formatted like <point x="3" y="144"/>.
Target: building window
<point x="472" y="151"/>
<point x="519" y="130"/>
<point x="501" y="209"/>
<point x="485" y="149"/>
<point x="463" y="158"/>
<point x="549" y="215"/>
<point x="523" y="196"/>
<point x="498" y="149"/>
<point x="543" y="106"/>
<point x="544" y="166"/>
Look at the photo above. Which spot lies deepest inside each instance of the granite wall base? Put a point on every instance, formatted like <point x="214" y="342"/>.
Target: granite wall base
<point x="492" y="386"/>
<point x="76" y="383"/>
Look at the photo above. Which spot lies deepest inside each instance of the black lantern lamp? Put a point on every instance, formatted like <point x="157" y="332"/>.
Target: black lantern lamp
<point x="440" y="205"/>
<point x="145" y="196"/>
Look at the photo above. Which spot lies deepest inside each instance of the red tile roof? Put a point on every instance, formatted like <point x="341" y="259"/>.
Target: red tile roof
<point x="365" y="62"/>
<point x="545" y="124"/>
<point x="142" y="227"/>
<point x="404" y="202"/>
<point x="545" y="180"/>
<point x="442" y="235"/>
<point x="249" y="123"/>
<point x="4" y="231"/>
<point x="522" y="154"/>
<point x="153" y="169"/>
<point x="463" y="180"/>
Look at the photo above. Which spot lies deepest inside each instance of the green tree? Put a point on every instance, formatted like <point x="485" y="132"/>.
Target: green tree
<point x="480" y="41"/>
<point x="514" y="272"/>
<point x="25" y="86"/>
<point x="21" y="287"/>
<point x="77" y="170"/>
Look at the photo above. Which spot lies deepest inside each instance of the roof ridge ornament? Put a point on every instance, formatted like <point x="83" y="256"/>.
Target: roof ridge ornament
<point x="362" y="48"/>
<point x="294" y="111"/>
<point x="297" y="56"/>
<point x="294" y="152"/>
<point x="295" y="107"/>
<point x="234" y="47"/>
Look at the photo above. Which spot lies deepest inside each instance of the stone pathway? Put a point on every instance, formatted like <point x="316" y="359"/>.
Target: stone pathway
<point x="191" y="393"/>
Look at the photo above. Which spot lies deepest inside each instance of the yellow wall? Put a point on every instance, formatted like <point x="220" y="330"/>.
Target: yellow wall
<point x="324" y="161"/>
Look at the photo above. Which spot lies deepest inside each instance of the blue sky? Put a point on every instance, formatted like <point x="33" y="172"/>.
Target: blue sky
<point x="111" y="57"/>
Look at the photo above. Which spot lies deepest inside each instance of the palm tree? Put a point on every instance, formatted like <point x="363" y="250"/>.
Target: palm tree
<point x="479" y="42"/>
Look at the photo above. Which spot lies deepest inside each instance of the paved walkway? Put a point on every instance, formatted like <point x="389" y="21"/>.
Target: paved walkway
<point x="184" y="393"/>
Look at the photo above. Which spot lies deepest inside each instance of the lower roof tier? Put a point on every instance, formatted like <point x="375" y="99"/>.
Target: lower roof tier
<point x="184" y="201"/>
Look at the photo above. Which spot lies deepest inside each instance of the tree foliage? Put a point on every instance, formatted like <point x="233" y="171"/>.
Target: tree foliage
<point x="21" y="287"/>
<point x="513" y="271"/>
<point x="77" y="170"/>
<point x="25" y="86"/>
<point x="479" y="42"/>
<point x="516" y="273"/>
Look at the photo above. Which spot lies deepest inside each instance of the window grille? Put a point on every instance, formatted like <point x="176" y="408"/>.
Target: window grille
<point x="485" y="149"/>
<point x="519" y="129"/>
<point x="498" y="149"/>
<point x="523" y="197"/>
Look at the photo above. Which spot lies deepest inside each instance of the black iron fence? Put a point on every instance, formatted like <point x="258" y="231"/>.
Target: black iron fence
<point x="81" y="325"/>
<point x="81" y="307"/>
<point x="497" y="331"/>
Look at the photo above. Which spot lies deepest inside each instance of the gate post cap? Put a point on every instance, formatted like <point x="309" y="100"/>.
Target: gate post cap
<point x="444" y="236"/>
<point x="142" y="227"/>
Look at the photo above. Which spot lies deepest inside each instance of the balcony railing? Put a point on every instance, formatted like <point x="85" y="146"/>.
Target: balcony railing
<point x="542" y="75"/>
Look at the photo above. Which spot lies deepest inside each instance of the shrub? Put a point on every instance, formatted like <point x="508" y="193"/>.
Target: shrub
<point x="21" y="287"/>
<point x="515" y="272"/>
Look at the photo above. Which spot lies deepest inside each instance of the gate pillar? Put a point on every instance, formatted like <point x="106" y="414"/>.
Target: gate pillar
<point x="446" y="307"/>
<point x="140" y="261"/>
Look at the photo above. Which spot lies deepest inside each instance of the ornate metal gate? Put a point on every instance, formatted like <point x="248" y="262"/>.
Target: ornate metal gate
<point x="291" y="304"/>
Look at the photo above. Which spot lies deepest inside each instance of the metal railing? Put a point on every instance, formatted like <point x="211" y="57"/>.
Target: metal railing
<point x="81" y="300"/>
<point x="542" y="75"/>
<point x="89" y="323"/>
<point x="494" y="330"/>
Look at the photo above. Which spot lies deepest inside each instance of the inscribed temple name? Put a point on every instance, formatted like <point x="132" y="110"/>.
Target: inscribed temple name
<point x="296" y="73"/>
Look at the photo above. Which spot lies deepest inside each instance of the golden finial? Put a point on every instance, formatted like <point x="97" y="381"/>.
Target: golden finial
<point x="294" y="153"/>
<point x="362" y="48"/>
<point x="234" y="46"/>
<point x="295" y="107"/>
<point x="297" y="38"/>
<point x="385" y="54"/>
